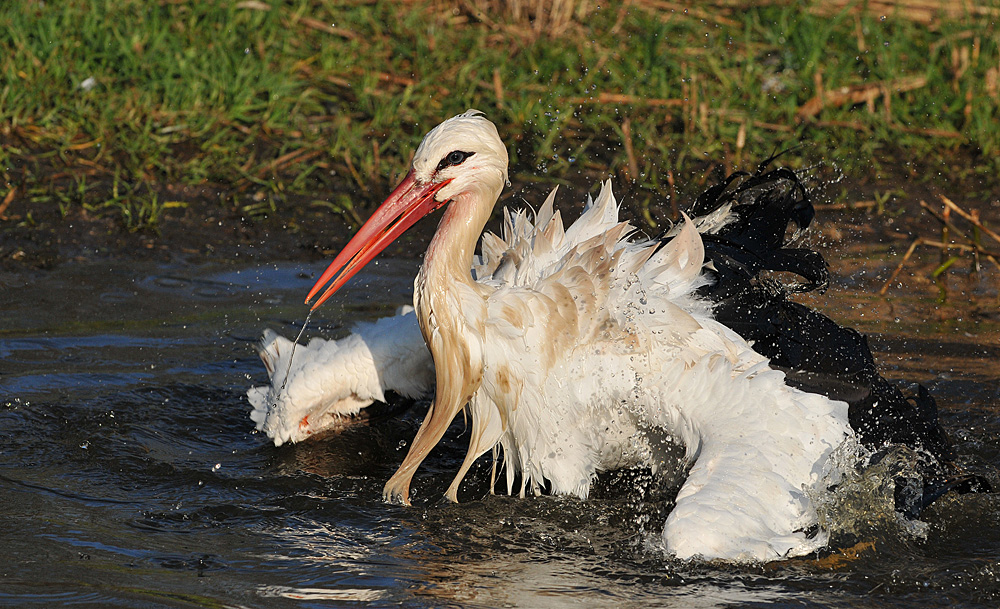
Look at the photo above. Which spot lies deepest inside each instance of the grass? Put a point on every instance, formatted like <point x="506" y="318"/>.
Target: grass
<point x="111" y="105"/>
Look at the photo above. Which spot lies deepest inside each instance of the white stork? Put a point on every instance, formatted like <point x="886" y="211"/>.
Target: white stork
<point x="564" y="346"/>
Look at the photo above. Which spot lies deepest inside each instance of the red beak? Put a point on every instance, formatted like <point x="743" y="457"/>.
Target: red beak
<point x="408" y="203"/>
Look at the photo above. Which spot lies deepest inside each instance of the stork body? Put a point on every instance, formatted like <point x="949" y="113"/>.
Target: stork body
<point x="575" y="349"/>
<point x="567" y="345"/>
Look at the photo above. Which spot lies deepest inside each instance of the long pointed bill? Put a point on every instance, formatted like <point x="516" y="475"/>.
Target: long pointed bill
<point x="408" y="203"/>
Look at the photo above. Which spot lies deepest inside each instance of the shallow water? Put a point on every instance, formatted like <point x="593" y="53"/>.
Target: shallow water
<point x="130" y="475"/>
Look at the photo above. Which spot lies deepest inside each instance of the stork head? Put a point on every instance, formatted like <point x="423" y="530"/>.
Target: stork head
<point x="463" y="156"/>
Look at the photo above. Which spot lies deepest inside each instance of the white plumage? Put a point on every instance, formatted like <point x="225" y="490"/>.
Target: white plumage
<point x="332" y="379"/>
<point x="565" y="345"/>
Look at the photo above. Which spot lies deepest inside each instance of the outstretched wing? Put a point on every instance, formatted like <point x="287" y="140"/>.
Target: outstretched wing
<point x="314" y="385"/>
<point x="746" y="227"/>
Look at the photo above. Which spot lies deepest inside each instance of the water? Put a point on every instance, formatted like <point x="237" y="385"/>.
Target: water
<point x="130" y="475"/>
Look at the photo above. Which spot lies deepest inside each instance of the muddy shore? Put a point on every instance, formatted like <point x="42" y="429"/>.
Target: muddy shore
<point x="863" y="226"/>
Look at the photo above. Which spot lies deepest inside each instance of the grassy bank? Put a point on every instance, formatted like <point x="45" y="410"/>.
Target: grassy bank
<point x="128" y="108"/>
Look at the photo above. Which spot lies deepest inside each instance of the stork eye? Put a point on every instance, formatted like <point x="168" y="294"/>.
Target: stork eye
<point x="455" y="157"/>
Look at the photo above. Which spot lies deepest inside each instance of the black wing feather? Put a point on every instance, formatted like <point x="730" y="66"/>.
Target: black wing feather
<point x="818" y="355"/>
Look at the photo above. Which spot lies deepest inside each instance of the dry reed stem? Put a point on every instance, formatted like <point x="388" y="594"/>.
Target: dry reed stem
<point x="309" y="22"/>
<point x="615" y="98"/>
<point x="899" y="267"/>
<point x="498" y="87"/>
<point x="7" y="200"/>
<point x="689" y="9"/>
<point x="857" y="94"/>
<point x="539" y="17"/>
<point x="354" y="172"/>
<point x="843" y="206"/>
<point x="633" y="163"/>
<point x="926" y="12"/>
<point x="975" y="221"/>
<point x="948" y="229"/>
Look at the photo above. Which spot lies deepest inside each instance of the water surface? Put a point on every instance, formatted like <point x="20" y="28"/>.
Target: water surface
<point x="130" y="474"/>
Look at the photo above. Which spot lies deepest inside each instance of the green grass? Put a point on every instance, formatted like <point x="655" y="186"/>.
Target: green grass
<point x="268" y="107"/>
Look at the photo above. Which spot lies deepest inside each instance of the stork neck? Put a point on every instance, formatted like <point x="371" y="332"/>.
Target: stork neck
<point x="448" y="302"/>
<point x="451" y="308"/>
<point x="449" y="255"/>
